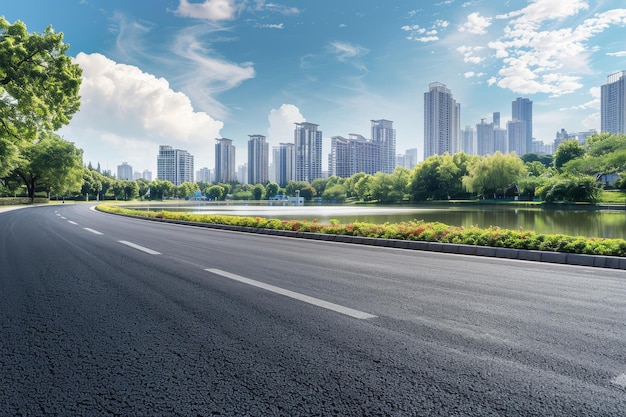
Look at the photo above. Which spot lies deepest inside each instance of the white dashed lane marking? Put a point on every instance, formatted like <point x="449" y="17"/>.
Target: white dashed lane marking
<point x="297" y="296"/>
<point x="139" y="247"/>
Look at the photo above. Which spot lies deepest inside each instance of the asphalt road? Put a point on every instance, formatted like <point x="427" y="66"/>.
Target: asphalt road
<point x="109" y="316"/>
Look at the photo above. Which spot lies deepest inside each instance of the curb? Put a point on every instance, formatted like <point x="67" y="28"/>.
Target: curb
<point x="576" y="259"/>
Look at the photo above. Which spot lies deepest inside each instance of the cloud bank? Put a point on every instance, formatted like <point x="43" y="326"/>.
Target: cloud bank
<point x="125" y="111"/>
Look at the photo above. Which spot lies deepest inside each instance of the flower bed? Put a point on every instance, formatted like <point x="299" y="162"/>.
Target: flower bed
<point x="413" y="230"/>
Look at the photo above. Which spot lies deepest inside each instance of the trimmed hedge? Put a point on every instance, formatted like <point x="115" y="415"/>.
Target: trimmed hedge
<point x="413" y="230"/>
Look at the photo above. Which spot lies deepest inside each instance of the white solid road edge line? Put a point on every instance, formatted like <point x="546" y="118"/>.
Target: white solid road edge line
<point x="297" y="296"/>
<point x="95" y="232"/>
<point x="138" y="247"/>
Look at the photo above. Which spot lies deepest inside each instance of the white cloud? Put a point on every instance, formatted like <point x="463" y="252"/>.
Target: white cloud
<point x="469" y="54"/>
<point x="618" y="54"/>
<point x="213" y="10"/>
<point x="126" y="114"/>
<point x="476" y="24"/>
<point x="345" y="50"/>
<point x="261" y="5"/>
<point x="205" y="73"/>
<point x="281" y="123"/>
<point x="540" y="57"/>
<point x="272" y="26"/>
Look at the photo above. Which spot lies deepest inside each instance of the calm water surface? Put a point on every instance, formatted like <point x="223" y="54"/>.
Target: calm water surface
<point x="583" y="222"/>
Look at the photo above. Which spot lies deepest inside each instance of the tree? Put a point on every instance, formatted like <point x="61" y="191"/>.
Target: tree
<point x="91" y="183"/>
<point x="257" y="192"/>
<point x="363" y="187"/>
<point x="334" y="193"/>
<point x="271" y="189"/>
<point x="438" y="177"/>
<point x="50" y="163"/>
<point x="492" y="175"/>
<point x="216" y="192"/>
<point x="570" y="188"/>
<point x="160" y="189"/>
<point x="39" y="87"/>
<point x="567" y="151"/>
<point x="304" y="189"/>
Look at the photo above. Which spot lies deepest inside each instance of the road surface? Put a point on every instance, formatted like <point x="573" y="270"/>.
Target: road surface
<point x="109" y="316"/>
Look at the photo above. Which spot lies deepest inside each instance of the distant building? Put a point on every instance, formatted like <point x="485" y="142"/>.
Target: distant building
<point x="516" y="130"/>
<point x="174" y="165"/>
<point x="284" y="161"/>
<point x="522" y="110"/>
<point x="613" y="104"/>
<point x="384" y="137"/>
<point x="408" y="159"/>
<point x="468" y="140"/>
<point x="242" y="174"/>
<point x="485" y="143"/>
<point x="224" y="161"/>
<point x="258" y="160"/>
<point x="203" y="175"/>
<point x="146" y="175"/>
<point x="442" y="121"/>
<point x="308" y="147"/>
<point x="124" y="172"/>
<point x="349" y="156"/>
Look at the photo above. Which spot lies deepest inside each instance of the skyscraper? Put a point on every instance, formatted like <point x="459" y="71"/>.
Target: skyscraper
<point x="174" y="165"/>
<point x="522" y="110"/>
<point x="224" y="161"/>
<point x="308" y="143"/>
<point x="284" y="160"/>
<point x="384" y="136"/>
<point x="468" y="140"/>
<point x="124" y="171"/>
<point x="258" y="159"/>
<point x="485" y="139"/>
<point x="442" y="121"/>
<point x="613" y="104"/>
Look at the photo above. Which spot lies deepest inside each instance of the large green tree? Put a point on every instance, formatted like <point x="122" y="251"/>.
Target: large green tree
<point x="51" y="164"/>
<point x="491" y="175"/>
<point x="39" y="87"/>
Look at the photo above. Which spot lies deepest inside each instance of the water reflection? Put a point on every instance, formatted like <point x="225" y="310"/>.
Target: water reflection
<point x="591" y="223"/>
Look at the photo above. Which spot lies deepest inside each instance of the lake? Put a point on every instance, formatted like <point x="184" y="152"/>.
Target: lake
<point x="607" y="223"/>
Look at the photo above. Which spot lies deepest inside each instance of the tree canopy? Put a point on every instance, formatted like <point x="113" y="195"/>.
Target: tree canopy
<point x="39" y="87"/>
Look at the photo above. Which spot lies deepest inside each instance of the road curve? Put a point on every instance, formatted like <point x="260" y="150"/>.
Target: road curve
<point x="110" y="316"/>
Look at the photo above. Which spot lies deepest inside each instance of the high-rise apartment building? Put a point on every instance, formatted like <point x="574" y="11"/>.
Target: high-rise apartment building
<point x="284" y="159"/>
<point x="516" y="131"/>
<point x="522" y="110"/>
<point x="308" y="147"/>
<point x="408" y="159"/>
<point x="442" y="121"/>
<point x="225" y="161"/>
<point x="174" y="165"/>
<point x="258" y="159"/>
<point x="349" y="156"/>
<point x="485" y="141"/>
<point x="384" y="137"/>
<point x="203" y="175"/>
<point x="468" y="140"/>
<point x="613" y="104"/>
<point x="125" y="172"/>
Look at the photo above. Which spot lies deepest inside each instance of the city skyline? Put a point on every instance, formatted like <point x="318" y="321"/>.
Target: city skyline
<point x="184" y="73"/>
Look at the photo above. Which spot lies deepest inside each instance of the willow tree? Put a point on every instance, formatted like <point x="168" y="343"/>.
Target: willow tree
<point x="492" y="175"/>
<point x="39" y="87"/>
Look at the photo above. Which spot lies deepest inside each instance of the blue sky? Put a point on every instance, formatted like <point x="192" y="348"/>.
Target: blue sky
<point x="183" y="73"/>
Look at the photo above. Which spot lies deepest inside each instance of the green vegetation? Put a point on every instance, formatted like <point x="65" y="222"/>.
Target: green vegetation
<point x="415" y="230"/>
<point x="39" y="87"/>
